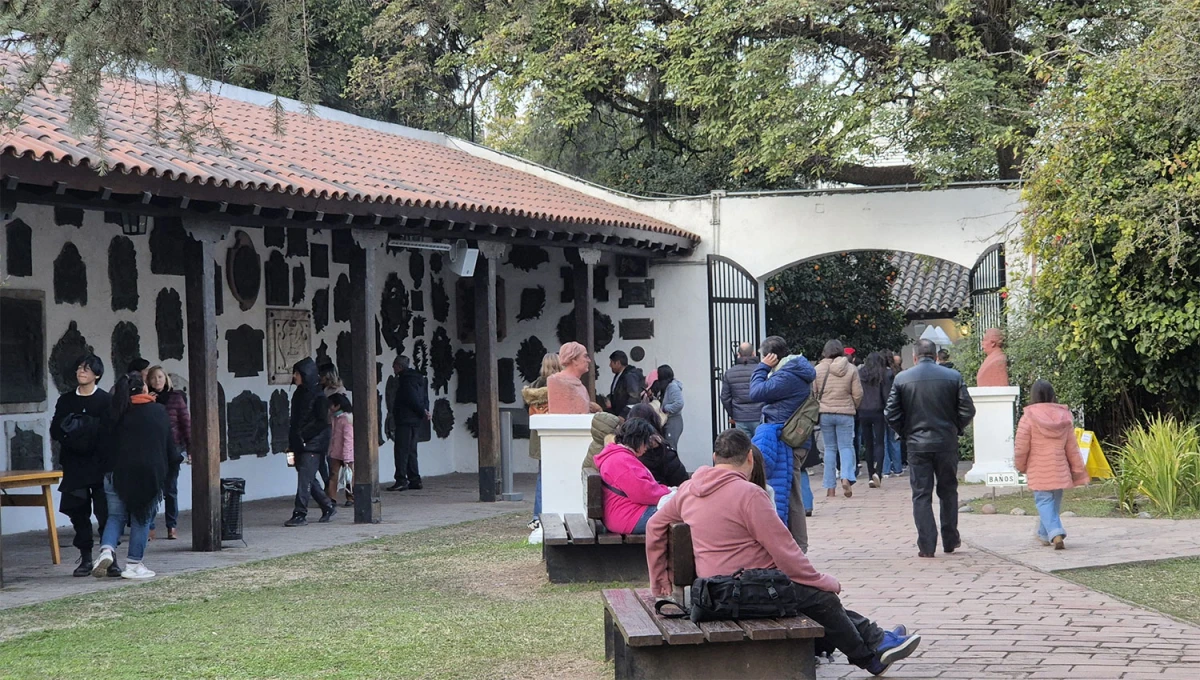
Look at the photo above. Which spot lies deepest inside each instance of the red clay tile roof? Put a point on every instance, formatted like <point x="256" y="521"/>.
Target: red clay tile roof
<point x="314" y="157"/>
<point x="929" y="287"/>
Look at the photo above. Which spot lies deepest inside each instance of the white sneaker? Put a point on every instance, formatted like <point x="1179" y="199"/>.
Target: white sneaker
<point x="534" y="524"/>
<point x="136" y="571"/>
<point x="100" y="566"/>
<point x="535" y="536"/>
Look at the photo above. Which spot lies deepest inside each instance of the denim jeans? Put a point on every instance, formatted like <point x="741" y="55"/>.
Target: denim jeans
<point x="537" y="495"/>
<point x="805" y="490"/>
<point x="891" y="453"/>
<point x="170" y="500"/>
<point x="118" y="515"/>
<point x="307" y="485"/>
<point x="838" y="431"/>
<point x="1049" y="505"/>
<point x="747" y="426"/>
<point x="640" y="527"/>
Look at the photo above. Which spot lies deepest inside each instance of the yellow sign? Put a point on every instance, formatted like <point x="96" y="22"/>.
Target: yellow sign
<point x="1093" y="456"/>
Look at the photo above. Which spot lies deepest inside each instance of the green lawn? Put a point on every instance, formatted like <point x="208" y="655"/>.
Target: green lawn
<point x="1098" y="499"/>
<point x="1170" y="586"/>
<point x="468" y="601"/>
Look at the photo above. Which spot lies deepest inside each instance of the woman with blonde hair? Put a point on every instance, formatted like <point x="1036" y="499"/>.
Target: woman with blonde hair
<point x="159" y="384"/>
<point x="537" y="400"/>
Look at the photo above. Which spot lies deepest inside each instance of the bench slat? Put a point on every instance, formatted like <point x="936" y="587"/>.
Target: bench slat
<point x="606" y="537"/>
<point x="802" y="627"/>
<point x="635" y="538"/>
<point x="631" y="618"/>
<point x="676" y="631"/>
<point x="764" y="629"/>
<point x="577" y="526"/>
<point x="722" y="631"/>
<point x="553" y="531"/>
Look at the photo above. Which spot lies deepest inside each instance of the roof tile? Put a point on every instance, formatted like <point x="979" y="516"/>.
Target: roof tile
<point x="930" y="287"/>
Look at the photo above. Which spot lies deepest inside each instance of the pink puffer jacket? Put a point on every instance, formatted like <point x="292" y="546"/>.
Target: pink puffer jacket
<point x="1046" y="449"/>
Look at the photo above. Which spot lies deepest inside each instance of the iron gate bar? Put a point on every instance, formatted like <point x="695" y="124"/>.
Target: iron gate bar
<point x="733" y="295"/>
<point x="988" y="278"/>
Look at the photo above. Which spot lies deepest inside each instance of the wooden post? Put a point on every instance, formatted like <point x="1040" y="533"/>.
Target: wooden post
<point x="367" y="505"/>
<point x="202" y="384"/>
<point x="487" y="380"/>
<point x="585" y="325"/>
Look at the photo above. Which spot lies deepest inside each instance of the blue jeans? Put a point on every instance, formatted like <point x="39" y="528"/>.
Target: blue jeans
<point x="640" y="527"/>
<point x="805" y="490"/>
<point x="1049" y="505"/>
<point x="118" y="515"/>
<point x="891" y="453"/>
<point x="537" y="495"/>
<point x="170" y="499"/>
<point x="838" y="431"/>
<point x="747" y="426"/>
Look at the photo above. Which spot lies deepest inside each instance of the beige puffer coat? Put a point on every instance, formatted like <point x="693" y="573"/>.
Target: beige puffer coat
<point x="1046" y="449"/>
<point x="604" y="426"/>
<point x="843" y="393"/>
<point x="535" y="395"/>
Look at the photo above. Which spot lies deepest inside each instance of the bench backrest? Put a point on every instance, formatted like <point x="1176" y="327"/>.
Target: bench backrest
<point x="679" y="552"/>
<point x="593" y="491"/>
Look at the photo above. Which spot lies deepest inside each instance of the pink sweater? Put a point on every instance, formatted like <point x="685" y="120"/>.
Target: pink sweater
<point x="341" y="442"/>
<point x="1046" y="449"/>
<point x="734" y="526"/>
<point x="621" y="469"/>
<point x="566" y="394"/>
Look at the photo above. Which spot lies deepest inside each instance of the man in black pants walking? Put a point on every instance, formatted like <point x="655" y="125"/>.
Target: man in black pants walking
<point x="410" y="409"/>
<point x="308" y="438"/>
<point x="77" y="427"/>
<point x="929" y="408"/>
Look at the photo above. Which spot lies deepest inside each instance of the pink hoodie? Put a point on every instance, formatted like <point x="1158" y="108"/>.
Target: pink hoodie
<point x="620" y="468"/>
<point x="734" y="526"/>
<point x="1046" y="449"/>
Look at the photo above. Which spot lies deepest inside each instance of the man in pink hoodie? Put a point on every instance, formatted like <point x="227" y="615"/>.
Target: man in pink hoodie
<point x="734" y="526"/>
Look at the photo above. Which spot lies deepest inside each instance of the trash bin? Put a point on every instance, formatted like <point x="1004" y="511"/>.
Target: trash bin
<point x="232" y="490"/>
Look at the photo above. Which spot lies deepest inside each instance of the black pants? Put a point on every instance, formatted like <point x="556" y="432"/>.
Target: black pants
<point x="405" y="453"/>
<point x="874" y="433"/>
<point x="849" y="632"/>
<point x="323" y="470"/>
<point x="79" y="506"/>
<point x="927" y="470"/>
<point x="307" y="485"/>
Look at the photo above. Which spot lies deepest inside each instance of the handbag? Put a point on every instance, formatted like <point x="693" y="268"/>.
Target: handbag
<point x="648" y="398"/>
<point x="745" y="594"/>
<point x="346" y="479"/>
<point x="799" y="427"/>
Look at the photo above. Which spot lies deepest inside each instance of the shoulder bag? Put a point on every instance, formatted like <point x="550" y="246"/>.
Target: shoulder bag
<point x="798" y="428"/>
<point x="746" y="594"/>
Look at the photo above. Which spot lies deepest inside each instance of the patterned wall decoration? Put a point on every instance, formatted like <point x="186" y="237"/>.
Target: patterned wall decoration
<point x="18" y="251"/>
<point x="299" y="283"/>
<point x="248" y="426"/>
<point x="533" y="301"/>
<point x="529" y="359"/>
<point x="421" y="356"/>
<point x="169" y="244"/>
<point x="473" y="425"/>
<point x="527" y="258"/>
<point x="123" y="274"/>
<point x="244" y="271"/>
<point x="416" y="267"/>
<point x="393" y="308"/>
<point x="68" y="216"/>
<point x="70" y="277"/>
<point x="343" y="246"/>
<point x="636" y="293"/>
<point x="604" y="328"/>
<point x="245" y="351"/>
<point x="466" y="391"/>
<point x="345" y="359"/>
<point x="276" y="274"/>
<point x="600" y="283"/>
<point x="318" y="260"/>
<point x="506" y="380"/>
<point x="343" y="299"/>
<point x="440" y="301"/>
<point x="63" y="356"/>
<point x="320" y="309"/>
<point x="168" y="324"/>
<point x="443" y="418"/>
<point x="280" y="419"/>
<point x="126" y="346"/>
<point x="297" y="242"/>
<point x="443" y="361"/>
<point x="274" y="237"/>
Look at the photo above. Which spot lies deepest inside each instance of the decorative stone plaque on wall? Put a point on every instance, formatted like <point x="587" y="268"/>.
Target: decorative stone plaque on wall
<point x="289" y="339"/>
<point x="248" y="426"/>
<point x="630" y="266"/>
<point x="245" y="351"/>
<point x="244" y="270"/>
<point x="637" y="329"/>
<point x="636" y="293"/>
<point x="26" y="441"/>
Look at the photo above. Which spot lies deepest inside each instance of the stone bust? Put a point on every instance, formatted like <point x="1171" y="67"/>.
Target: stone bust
<point x="994" y="370"/>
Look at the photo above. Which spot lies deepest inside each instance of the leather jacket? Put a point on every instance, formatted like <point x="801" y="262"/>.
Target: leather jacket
<point x="929" y="407"/>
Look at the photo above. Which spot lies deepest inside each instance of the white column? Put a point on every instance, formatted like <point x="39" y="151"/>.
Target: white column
<point x="995" y="408"/>
<point x="565" y="440"/>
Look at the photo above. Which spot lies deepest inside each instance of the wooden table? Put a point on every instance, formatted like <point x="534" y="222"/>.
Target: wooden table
<point x="16" y="479"/>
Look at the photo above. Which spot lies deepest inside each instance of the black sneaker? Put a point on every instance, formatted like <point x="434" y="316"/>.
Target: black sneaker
<point x="415" y="486"/>
<point x="114" y="570"/>
<point x="398" y="486"/>
<point x="296" y="521"/>
<point x="85" y="565"/>
<point x="328" y="514"/>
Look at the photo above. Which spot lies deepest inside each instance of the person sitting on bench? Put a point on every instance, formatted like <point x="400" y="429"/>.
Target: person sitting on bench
<point x="630" y="492"/>
<point x="734" y="526"/>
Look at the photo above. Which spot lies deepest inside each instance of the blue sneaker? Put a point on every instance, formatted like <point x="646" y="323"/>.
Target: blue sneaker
<point x="900" y="631"/>
<point x="893" y="648"/>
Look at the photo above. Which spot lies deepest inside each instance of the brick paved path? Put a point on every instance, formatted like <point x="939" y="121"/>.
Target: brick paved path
<point x="981" y="616"/>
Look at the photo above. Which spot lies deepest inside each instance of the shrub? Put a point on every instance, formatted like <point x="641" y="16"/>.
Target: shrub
<point x="1161" y="461"/>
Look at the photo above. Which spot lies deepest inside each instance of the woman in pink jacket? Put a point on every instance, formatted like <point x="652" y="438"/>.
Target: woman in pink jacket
<point x="630" y="492"/>
<point x="341" y="445"/>
<point x="1048" y="454"/>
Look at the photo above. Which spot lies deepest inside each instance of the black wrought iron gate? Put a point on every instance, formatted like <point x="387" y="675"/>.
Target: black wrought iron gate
<point x="733" y="318"/>
<point x="988" y="279"/>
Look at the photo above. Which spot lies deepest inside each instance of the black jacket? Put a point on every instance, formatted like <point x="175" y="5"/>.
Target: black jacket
<point x="663" y="462"/>
<point x="309" y="430"/>
<point x="142" y="452"/>
<point x="626" y="391"/>
<point x="874" y="396"/>
<point x="735" y="392"/>
<point x="929" y="407"/>
<point x="81" y="453"/>
<point x="412" y="398"/>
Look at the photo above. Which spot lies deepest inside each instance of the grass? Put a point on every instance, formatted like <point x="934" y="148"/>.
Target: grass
<point x="1095" y="500"/>
<point x="1170" y="586"/>
<point x="467" y="601"/>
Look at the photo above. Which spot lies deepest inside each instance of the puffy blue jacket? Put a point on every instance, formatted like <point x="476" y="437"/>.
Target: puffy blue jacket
<point x="778" y="459"/>
<point x="784" y="391"/>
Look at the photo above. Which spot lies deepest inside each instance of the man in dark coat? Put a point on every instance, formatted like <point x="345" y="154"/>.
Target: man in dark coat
<point x="410" y="411"/>
<point x="745" y="413"/>
<point x="308" y="439"/>
<point x="929" y="407"/>
<point x="627" y="385"/>
<point x="77" y="426"/>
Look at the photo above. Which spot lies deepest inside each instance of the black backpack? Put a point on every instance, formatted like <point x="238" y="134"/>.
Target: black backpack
<point x="747" y="594"/>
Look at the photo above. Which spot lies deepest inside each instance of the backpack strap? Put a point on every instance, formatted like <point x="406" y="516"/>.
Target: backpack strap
<point x="613" y="489"/>
<point x="658" y="609"/>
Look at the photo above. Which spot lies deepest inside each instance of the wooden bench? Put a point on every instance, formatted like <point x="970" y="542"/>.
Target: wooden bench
<point x="643" y="645"/>
<point x="577" y="547"/>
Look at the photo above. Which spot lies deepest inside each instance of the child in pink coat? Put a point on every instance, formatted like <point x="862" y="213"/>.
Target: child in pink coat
<point x="341" y="445"/>
<point x="1047" y="452"/>
<point x="631" y="494"/>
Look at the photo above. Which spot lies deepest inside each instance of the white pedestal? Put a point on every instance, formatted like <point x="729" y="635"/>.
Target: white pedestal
<point x="565" y="440"/>
<point x="995" y="408"/>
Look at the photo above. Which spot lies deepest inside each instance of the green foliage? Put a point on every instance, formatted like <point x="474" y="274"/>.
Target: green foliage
<point x="1161" y="461"/>
<point x="1113" y="215"/>
<point x="845" y="296"/>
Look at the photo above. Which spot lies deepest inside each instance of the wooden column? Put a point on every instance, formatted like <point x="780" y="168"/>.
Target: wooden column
<point x="488" y="405"/>
<point x="367" y="505"/>
<point x="585" y="325"/>
<point x="202" y="384"/>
